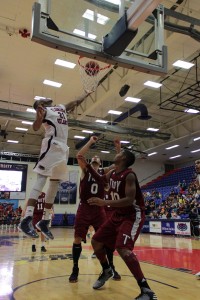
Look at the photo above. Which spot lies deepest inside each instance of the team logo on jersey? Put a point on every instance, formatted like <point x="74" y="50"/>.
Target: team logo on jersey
<point x="126" y="237"/>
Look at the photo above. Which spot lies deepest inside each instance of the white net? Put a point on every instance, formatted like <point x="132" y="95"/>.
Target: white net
<point x="91" y="73"/>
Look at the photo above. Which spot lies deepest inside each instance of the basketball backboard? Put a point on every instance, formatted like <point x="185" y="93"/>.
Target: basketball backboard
<point x="81" y="27"/>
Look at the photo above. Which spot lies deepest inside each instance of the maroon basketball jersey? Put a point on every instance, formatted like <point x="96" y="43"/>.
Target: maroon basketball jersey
<point x="108" y="197"/>
<point x="90" y="188"/>
<point x="117" y="184"/>
<point x="39" y="206"/>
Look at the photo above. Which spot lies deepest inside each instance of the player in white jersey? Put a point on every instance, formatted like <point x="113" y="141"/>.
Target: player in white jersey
<point x="52" y="161"/>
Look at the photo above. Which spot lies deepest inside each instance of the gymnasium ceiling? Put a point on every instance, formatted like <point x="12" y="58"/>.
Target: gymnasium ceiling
<point x="24" y="65"/>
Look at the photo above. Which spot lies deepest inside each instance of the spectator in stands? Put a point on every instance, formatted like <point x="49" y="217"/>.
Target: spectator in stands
<point x="193" y="214"/>
<point x="65" y="219"/>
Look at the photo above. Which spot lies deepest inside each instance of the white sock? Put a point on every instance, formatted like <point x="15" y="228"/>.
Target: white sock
<point x="29" y="211"/>
<point x="43" y="243"/>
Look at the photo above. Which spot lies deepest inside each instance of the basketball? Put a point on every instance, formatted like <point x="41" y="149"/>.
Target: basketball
<point x="92" y="68"/>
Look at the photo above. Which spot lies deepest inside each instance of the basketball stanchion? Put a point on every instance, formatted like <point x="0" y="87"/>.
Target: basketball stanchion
<point x="91" y="72"/>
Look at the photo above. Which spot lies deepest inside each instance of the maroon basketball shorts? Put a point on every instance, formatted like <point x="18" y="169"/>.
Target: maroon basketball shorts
<point x="88" y="215"/>
<point x="120" y="231"/>
<point x="109" y="211"/>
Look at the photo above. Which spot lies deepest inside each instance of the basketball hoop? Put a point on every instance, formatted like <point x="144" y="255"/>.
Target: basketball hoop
<point x="91" y="73"/>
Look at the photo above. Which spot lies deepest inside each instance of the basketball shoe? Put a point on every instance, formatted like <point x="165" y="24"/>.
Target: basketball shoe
<point x="43" y="249"/>
<point x="74" y="276"/>
<point x="197" y="275"/>
<point x="116" y="275"/>
<point x="42" y="225"/>
<point x="26" y="226"/>
<point x="104" y="276"/>
<point x="33" y="248"/>
<point x="146" y="294"/>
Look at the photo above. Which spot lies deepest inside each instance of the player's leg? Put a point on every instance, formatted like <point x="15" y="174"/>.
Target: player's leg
<point x="33" y="245"/>
<point x="43" y="225"/>
<point x="126" y="238"/>
<point x="26" y="224"/>
<point x="105" y="233"/>
<point x="76" y="252"/>
<point x="81" y="226"/>
<point x="43" y="239"/>
<point x="109" y="253"/>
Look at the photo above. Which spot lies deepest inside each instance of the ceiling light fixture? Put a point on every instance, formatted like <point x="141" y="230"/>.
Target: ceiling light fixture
<point x="132" y="99"/>
<point x="104" y="151"/>
<point x="124" y="142"/>
<point x="152" y="129"/>
<point x="32" y="110"/>
<point x="79" y="137"/>
<point x="195" y="151"/>
<point x="114" y="112"/>
<point x="27" y="122"/>
<point x="87" y="131"/>
<point x="172" y="147"/>
<point x="12" y="141"/>
<point x="153" y="153"/>
<point x="22" y="129"/>
<point x="191" y="111"/>
<point x="183" y="64"/>
<point x="101" y="121"/>
<point x="52" y="83"/>
<point x="153" y="84"/>
<point x="174" y="156"/>
<point x="116" y="2"/>
<point x="65" y="63"/>
<point x="196" y="139"/>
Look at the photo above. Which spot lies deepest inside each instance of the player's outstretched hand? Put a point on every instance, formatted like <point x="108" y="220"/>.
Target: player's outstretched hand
<point x="93" y="139"/>
<point x="96" y="201"/>
<point x="117" y="144"/>
<point x="40" y="112"/>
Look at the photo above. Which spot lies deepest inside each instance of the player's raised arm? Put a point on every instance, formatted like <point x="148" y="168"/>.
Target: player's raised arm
<point x="73" y="104"/>
<point x="40" y="115"/>
<point x="82" y="163"/>
<point x="99" y="178"/>
<point x="117" y="145"/>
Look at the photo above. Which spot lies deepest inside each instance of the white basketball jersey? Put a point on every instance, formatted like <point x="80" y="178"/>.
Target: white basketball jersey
<point x="55" y="123"/>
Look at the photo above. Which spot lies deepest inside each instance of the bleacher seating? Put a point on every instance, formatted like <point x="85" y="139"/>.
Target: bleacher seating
<point x="171" y="178"/>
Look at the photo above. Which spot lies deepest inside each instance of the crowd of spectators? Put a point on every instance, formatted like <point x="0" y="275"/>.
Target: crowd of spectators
<point x="9" y="215"/>
<point x="183" y="201"/>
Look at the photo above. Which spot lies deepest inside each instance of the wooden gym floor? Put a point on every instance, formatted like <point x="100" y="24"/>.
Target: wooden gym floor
<point x="169" y="263"/>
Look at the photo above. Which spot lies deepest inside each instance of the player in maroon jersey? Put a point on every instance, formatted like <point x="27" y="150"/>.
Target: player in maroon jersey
<point x="37" y="216"/>
<point x="121" y="231"/>
<point x="87" y="215"/>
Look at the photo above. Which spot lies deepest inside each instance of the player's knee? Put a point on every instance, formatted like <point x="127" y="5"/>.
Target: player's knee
<point x="96" y="245"/>
<point x="38" y="186"/>
<point x="123" y="252"/>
